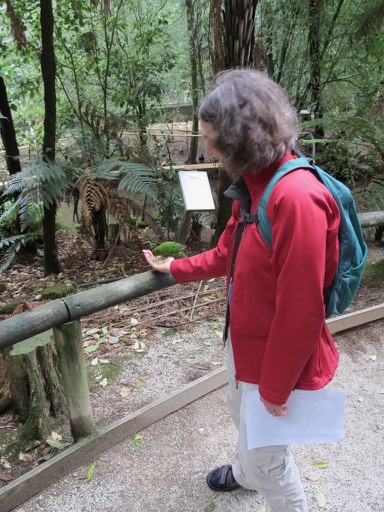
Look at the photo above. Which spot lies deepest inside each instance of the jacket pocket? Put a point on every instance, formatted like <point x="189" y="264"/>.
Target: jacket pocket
<point x="248" y="353"/>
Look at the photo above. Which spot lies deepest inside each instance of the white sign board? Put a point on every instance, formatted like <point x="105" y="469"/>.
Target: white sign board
<point x="196" y="190"/>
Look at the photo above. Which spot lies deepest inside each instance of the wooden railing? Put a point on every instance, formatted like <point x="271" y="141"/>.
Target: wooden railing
<point x="63" y="316"/>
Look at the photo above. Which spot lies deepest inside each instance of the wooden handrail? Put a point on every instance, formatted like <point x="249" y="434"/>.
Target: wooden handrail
<point x="25" y="325"/>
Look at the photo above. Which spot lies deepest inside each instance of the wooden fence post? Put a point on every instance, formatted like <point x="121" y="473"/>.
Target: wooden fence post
<point x="70" y="351"/>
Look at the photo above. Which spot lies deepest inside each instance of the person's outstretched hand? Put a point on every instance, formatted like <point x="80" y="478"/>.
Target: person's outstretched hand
<point x="158" y="262"/>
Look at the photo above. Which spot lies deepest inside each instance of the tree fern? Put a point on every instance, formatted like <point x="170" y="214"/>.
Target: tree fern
<point x="133" y="177"/>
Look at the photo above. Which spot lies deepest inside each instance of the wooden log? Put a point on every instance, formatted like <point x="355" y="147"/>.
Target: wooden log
<point x="70" y="352"/>
<point x="97" y="299"/>
<point x="73" y="307"/>
<point x="371" y="219"/>
<point x="26" y="325"/>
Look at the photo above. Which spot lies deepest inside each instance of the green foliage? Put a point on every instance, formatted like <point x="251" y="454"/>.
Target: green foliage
<point x="29" y="191"/>
<point x="132" y="177"/>
<point x="169" y="201"/>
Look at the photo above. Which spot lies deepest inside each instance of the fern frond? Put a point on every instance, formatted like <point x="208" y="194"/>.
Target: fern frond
<point x="140" y="183"/>
<point x="11" y="240"/>
<point x="51" y="179"/>
<point x="134" y="177"/>
<point x="9" y="256"/>
<point x="14" y="244"/>
<point x="93" y="196"/>
<point x="8" y="217"/>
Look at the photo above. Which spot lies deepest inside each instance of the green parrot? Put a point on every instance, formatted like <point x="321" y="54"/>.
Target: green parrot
<point x="169" y="249"/>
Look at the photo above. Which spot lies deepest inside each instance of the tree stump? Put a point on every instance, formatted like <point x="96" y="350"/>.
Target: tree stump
<point x="35" y="384"/>
<point x="5" y="392"/>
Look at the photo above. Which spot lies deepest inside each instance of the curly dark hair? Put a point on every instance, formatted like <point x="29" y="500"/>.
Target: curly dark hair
<point x="253" y="121"/>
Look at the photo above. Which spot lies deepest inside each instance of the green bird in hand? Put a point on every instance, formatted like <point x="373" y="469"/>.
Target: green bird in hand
<point x="169" y="249"/>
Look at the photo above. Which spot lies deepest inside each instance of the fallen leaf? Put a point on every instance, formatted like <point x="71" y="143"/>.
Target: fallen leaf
<point x="321" y="465"/>
<point x="139" y="347"/>
<point x="373" y="358"/>
<point x="113" y="340"/>
<point x="104" y="361"/>
<point x="134" y="321"/>
<point x="125" y="391"/>
<point x="55" y="435"/>
<point x="95" y="361"/>
<point x="5" y="464"/>
<point x="261" y="509"/>
<point x="321" y="501"/>
<point x="216" y="363"/>
<point x="312" y="476"/>
<point x="137" y="439"/>
<point x="103" y="382"/>
<point x="143" y="382"/>
<point x="91" y="348"/>
<point x="25" y="457"/>
<point x="5" y="478"/>
<point x="90" y="472"/>
<point x="92" y="331"/>
<point x="210" y="507"/>
<point x="348" y="478"/>
<point x="57" y="444"/>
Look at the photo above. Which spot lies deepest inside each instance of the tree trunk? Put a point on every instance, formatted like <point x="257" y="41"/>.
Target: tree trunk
<point x="194" y="79"/>
<point x="8" y="135"/>
<point x="99" y="223"/>
<point x="35" y="385"/>
<point x="236" y="26"/>
<point x="48" y="68"/>
<point x="315" y="63"/>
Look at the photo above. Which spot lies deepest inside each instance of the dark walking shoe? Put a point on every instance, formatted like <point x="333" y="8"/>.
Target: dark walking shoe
<point x="222" y="479"/>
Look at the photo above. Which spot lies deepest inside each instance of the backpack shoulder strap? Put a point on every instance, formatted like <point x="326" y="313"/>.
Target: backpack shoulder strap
<point x="264" y="223"/>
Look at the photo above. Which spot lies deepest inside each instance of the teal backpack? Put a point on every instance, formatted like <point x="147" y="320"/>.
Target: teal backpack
<point x="353" y="249"/>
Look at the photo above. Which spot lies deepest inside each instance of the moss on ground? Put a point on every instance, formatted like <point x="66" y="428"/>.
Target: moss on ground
<point x="374" y="273"/>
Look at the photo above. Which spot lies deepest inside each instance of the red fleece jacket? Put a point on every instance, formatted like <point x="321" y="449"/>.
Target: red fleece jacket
<point x="279" y="337"/>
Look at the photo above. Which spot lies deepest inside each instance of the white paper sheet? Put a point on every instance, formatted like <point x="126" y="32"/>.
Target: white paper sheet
<point x="313" y="417"/>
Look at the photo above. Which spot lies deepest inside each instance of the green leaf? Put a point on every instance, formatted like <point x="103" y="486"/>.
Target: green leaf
<point x="55" y="443"/>
<point x="92" y="331"/>
<point x="90" y="472"/>
<point x="137" y="439"/>
<point x="321" y="465"/>
<point x="91" y="348"/>
<point x="210" y="507"/>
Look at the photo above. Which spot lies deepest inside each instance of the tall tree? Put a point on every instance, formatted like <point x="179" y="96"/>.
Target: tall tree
<point x="48" y="69"/>
<point x="235" y="23"/>
<point x="8" y="134"/>
<point x="192" y="21"/>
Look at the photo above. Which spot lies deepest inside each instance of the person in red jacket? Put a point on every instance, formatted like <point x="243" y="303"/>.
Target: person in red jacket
<point x="277" y="338"/>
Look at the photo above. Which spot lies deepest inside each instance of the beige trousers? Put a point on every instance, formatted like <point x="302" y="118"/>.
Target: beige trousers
<point x="270" y="470"/>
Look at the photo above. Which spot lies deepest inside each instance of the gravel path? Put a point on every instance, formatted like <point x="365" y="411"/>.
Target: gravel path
<point x="166" y="471"/>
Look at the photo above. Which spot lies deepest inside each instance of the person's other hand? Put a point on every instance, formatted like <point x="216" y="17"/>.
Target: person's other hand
<point x="273" y="409"/>
<point x="158" y="263"/>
